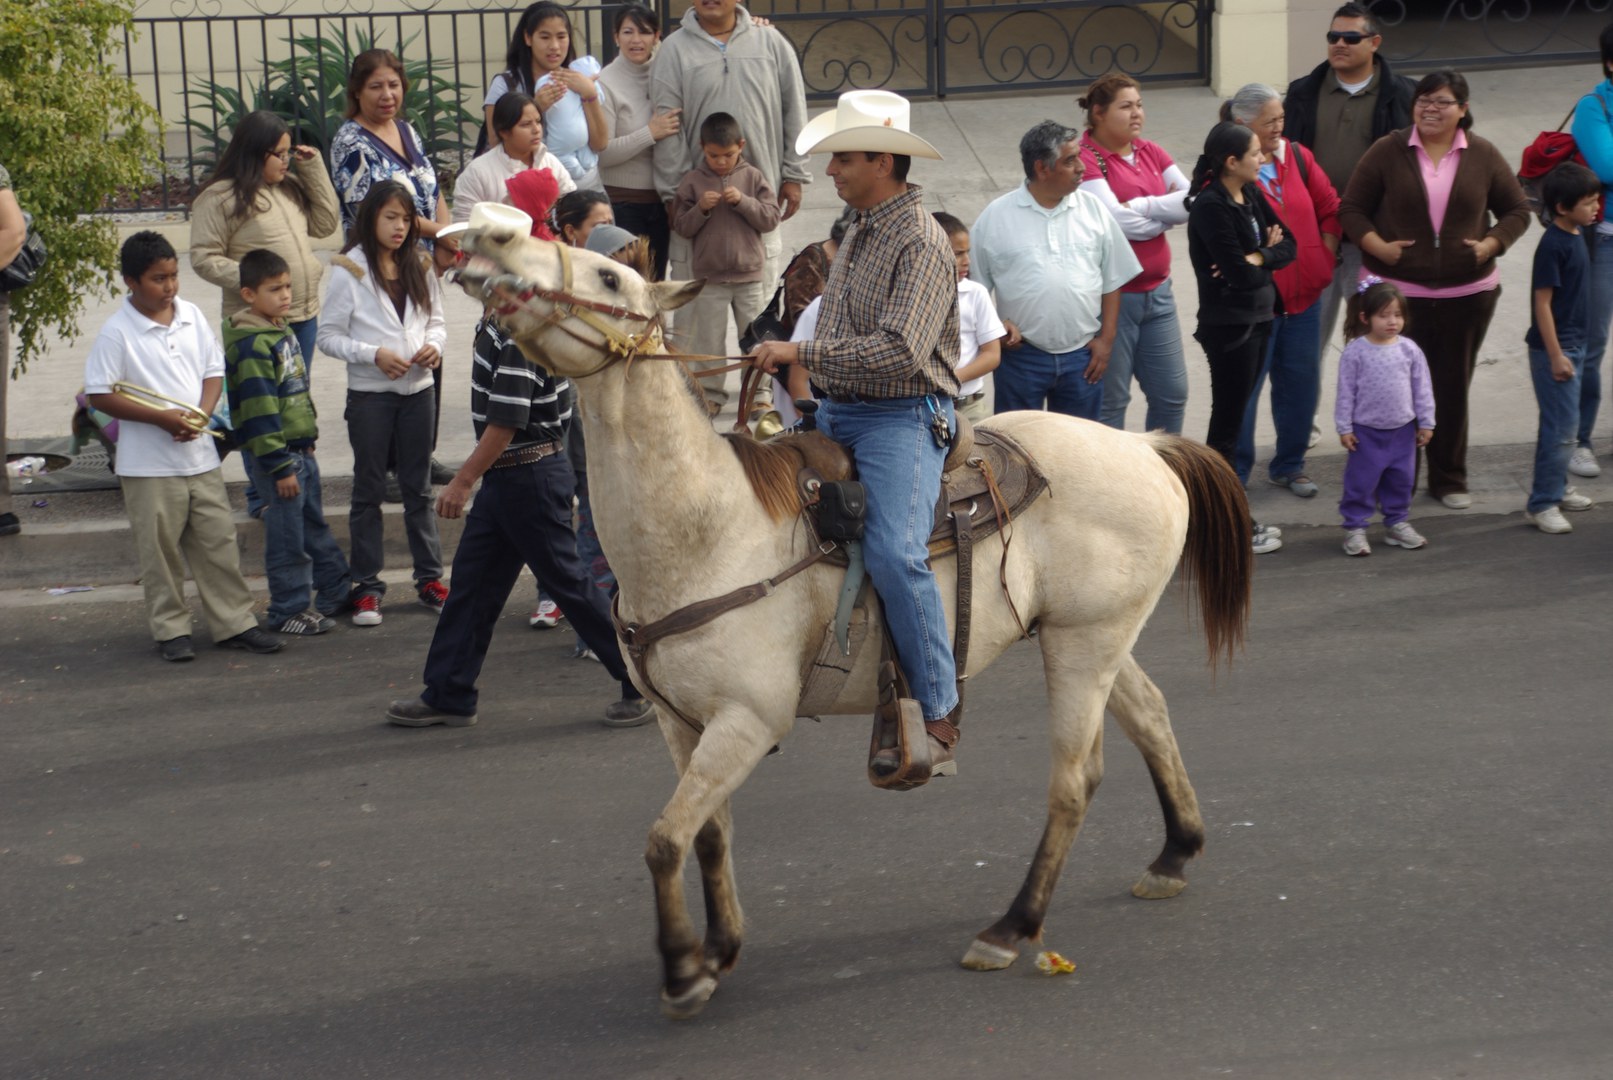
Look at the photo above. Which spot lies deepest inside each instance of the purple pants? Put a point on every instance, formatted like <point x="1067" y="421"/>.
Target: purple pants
<point x="1380" y="472"/>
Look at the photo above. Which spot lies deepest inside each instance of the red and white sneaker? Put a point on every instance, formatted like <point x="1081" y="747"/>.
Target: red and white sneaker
<point x="433" y="594"/>
<point x="547" y="616"/>
<point x="367" y="611"/>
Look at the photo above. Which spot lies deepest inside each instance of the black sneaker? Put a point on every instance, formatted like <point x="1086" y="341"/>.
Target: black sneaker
<point x="253" y="641"/>
<point x="442" y="474"/>
<point x="629" y="712"/>
<point x="305" y="624"/>
<point x="9" y="525"/>
<point x="416" y="713"/>
<point x="393" y="493"/>
<point x="177" y="650"/>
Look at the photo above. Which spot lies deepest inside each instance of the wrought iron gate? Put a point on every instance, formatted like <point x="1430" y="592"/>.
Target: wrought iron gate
<point x="922" y="47"/>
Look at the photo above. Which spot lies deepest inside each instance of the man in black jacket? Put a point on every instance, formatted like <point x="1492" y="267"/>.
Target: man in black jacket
<point x="1348" y="103"/>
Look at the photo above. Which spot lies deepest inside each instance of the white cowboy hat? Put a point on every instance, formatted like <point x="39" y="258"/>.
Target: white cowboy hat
<point x="492" y="215"/>
<point x="873" y="121"/>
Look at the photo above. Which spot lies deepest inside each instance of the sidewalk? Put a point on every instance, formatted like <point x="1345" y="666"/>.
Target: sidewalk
<point x="979" y="139"/>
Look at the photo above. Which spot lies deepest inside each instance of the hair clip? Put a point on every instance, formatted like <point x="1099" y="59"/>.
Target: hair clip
<point x="1367" y="283"/>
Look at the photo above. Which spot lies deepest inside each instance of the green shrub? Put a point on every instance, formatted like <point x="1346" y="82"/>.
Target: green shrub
<point x="73" y="130"/>
<point x="308" y="90"/>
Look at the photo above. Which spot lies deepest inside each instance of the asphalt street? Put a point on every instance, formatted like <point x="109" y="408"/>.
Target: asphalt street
<point x="234" y="869"/>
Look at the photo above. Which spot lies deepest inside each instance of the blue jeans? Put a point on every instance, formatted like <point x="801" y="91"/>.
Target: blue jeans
<point x="1031" y="378"/>
<point x="1590" y="380"/>
<point x="300" y="556"/>
<point x="1559" y="419"/>
<point x="1148" y="345"/>
<point x="1294" y="361"/>
<point x="899" y="463"/>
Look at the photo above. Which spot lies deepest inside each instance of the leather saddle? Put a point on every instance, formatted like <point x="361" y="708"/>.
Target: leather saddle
<point x="987" y="480"/>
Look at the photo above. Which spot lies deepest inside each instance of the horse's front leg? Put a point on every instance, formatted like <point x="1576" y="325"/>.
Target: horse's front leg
<point x="725" y="922"/>
<point x="712" y="769"/>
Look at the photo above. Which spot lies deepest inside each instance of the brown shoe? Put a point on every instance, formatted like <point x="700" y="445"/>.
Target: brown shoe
<point x="943" y="737"/>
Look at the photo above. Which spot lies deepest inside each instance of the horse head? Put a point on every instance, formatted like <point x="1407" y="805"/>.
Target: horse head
<point x="579" y="310"/>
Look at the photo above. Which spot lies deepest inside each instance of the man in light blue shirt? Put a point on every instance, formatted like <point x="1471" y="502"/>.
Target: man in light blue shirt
<point x="1055" y="259"/>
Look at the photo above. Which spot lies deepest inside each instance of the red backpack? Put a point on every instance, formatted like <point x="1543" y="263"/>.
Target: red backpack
<point x="1549" y="150"/>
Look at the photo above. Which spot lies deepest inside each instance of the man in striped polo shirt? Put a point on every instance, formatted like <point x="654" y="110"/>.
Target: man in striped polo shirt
<point x="522" y="515"/>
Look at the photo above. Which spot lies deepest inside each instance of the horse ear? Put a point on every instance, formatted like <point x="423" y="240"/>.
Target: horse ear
<point x="670" y="295"/>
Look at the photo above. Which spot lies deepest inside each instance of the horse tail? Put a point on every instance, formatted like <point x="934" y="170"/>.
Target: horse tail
<point x="1218" y="557"/>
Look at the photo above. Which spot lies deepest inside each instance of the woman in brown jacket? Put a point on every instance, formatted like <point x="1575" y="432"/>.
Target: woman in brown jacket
<point x="1432" y="206"/>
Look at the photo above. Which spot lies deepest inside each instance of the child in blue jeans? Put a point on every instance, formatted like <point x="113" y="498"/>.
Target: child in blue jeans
<point x="274" y="419"/>
<point x="1560" y="302"/>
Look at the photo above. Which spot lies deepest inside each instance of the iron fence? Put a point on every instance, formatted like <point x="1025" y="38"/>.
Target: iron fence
<point x="203" y="69"/>
<point x="1421" y="35"/>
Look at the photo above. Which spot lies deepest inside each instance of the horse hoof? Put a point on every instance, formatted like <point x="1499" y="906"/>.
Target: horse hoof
<point x="687" y="1005"/>
<point x="984" y="956"/>
<point x="1152" y="886"/>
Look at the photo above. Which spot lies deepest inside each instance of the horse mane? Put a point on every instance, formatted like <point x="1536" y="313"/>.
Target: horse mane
<point x="770" y="469"/>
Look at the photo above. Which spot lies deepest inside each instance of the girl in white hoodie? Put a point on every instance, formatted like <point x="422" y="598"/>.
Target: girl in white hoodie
<point x="383" y="316"/>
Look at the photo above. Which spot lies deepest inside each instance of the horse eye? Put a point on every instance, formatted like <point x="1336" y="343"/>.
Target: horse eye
<point x="610" y="279"/>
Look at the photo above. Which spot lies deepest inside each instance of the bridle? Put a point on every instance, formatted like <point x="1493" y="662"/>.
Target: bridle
<point x="564" y="306"/>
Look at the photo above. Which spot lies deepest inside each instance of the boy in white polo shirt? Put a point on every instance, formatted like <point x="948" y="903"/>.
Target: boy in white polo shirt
<point x="980" y="331"/>
<point x="172" y="486"/>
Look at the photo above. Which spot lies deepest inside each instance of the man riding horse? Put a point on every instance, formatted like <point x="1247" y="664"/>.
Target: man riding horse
<point x="882" y="366"/>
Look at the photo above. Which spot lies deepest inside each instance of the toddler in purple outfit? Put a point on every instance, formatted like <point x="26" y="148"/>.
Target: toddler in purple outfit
<point x="1385" y="411"/>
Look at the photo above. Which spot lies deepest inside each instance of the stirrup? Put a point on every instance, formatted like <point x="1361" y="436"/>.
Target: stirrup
<point x="898" y="727"/>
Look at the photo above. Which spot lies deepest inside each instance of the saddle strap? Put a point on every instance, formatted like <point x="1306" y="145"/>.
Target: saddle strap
<point x="963" y="530"/>
<point x="638" y="637"/>
<point x="999" y="506"/>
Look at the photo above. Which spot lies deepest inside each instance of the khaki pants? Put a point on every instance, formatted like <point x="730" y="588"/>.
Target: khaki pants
<point x="190" y="516"/>
<point x="709" y="337"/>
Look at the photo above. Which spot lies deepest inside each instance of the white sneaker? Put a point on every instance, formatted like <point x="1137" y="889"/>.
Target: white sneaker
<point x="1549" y="520"/>
<point x="1355" y="542"/>
<point x="1574" y="501"/>
<point x="1583" y="463"/>
<point x="1264" y="541"/>
<point x="1457" y="500"/>
<point x="1402" y="535"/>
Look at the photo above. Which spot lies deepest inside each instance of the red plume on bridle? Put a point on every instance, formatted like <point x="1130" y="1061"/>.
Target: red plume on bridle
<point x="534" y="192"/>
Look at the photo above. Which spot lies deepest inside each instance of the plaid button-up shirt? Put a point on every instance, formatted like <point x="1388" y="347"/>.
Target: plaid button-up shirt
<point x="888" y="324"/>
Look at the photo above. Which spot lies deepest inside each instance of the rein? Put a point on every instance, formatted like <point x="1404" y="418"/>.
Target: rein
<point x="617" y="345"/>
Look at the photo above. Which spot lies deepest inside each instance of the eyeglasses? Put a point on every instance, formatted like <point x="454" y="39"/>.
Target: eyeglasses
<point x="1349" y="37"/>
<point x="283" y="155"/>
<point x="1441" y="103"/>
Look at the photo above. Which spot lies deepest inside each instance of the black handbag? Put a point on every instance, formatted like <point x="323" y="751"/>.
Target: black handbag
<point x="25" y="267"/>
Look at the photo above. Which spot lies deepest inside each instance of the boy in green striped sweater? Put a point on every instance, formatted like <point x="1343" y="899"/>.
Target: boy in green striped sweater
<point x="275" y="424"/>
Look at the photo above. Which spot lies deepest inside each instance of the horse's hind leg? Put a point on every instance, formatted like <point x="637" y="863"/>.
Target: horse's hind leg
<point x="1139" y="708"/>
<point x="1077" y="685"/>
<point x="710" y="771"/>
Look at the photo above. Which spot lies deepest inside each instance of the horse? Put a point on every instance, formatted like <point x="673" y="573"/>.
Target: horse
<point x="685" y="514"/>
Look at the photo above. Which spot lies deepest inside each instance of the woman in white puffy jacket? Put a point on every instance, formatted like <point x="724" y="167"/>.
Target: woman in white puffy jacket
<point x="383" y="317"/>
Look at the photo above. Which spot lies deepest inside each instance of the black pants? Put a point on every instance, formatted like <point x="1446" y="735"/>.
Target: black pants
<point x="1235" y="354"/>
<point x="522" y="515"/>
<point x="1450" y="331"/>
<point x="646" y="219"/>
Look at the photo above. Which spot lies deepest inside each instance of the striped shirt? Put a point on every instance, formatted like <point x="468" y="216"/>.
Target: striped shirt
<point x="888" y="324"/>
<point x="507" y="390"/>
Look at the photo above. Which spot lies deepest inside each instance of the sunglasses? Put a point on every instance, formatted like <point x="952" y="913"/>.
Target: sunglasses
<point x="1349" y="37"/>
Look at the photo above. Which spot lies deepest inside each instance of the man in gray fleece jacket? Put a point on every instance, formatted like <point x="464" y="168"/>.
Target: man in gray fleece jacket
<point x="719" y="61"/>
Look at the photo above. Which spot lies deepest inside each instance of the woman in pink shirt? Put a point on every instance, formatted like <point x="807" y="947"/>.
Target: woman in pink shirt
<point x="1143" y="189"/>
<point x="1432" y="207"/>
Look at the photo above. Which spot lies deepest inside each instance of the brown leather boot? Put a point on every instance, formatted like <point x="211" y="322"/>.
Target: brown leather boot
<point x="944" y="736"/>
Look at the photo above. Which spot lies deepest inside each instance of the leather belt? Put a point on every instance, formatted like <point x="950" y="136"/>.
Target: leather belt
<point x="526" y="455"/>
<point x="970" y="398"/>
